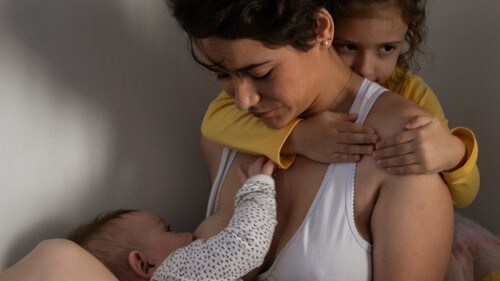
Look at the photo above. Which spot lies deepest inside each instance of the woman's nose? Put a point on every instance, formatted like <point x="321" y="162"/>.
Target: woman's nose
<point x="245" y="95"/>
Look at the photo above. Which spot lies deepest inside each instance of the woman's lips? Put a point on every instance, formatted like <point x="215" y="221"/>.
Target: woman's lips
<point x="262" y="114"/>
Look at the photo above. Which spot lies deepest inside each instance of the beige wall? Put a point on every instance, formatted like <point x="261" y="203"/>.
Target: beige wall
<point x="100" y="106"/>
<point x="464" y="72"/>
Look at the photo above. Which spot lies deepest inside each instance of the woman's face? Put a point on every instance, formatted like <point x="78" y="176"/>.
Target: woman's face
<point x="371" y="46"/>
<point x="275" y="85"/>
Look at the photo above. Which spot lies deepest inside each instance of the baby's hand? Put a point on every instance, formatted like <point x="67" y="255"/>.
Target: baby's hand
<point x="425" y="147"/>
<point x="331" y="137"/>
<point x="260" y="166"/>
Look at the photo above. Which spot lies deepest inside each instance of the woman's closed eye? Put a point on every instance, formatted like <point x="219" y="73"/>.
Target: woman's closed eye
<point x="222" y="76"/>
<point x="262" y="77"/>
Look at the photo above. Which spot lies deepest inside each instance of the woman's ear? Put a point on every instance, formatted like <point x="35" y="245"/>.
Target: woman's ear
<point x="141" y="265"/>
<point x="326" y="27"/>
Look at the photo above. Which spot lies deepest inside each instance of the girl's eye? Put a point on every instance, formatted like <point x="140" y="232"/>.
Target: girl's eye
<point x="345" y="47"/>
<point x="386" y="49"/>
<point x="262" y="77"/>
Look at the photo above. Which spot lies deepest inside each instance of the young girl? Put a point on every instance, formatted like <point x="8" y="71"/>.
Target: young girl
<point x="378" y="40"/>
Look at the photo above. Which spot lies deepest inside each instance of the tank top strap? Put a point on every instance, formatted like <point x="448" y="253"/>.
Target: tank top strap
<point x="226" y="159"/>
<point x="367" y="95"/>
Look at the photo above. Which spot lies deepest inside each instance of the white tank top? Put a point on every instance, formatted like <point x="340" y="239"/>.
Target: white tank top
<point x="327" y="246"/>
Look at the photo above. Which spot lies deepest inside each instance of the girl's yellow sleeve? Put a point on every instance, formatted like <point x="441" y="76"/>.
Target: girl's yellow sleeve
<point x="494" y="276"/>
<point x="225" y="124"/>
<point x="462" y="182"/>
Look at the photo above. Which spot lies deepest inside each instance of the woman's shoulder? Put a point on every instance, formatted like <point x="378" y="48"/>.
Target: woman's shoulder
<point x="391" y="112"/>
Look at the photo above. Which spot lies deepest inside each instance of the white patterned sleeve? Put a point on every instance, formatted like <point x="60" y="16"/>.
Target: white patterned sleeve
<point x="237" y="249"/>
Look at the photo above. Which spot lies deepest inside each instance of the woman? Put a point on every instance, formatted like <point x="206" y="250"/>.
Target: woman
<point x="274" y="58"/>
<point x="335" y="222"/>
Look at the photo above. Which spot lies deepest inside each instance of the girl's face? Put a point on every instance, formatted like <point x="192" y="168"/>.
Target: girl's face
<point x="275" y="85"/>
<point x="371" y="46"/>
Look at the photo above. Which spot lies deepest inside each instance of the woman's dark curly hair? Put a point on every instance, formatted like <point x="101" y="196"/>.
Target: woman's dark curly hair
<point x="277" y="23"/>
<point x="274" y="23"/>
<point x="412" y="13"/>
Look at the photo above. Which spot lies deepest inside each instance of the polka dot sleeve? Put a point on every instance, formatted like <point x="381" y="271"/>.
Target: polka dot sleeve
<point x="237" y="249"/>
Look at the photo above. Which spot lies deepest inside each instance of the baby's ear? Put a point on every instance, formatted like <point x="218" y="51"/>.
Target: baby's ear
<point x="140" y="265"/>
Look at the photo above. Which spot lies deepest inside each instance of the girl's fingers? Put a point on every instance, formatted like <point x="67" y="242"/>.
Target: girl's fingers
<point x="398" y="139"/>
<point x="358" y="138"/>
<point x="356" y="149"/>
<point x="398" y="161"/>
<point x="419" y="121"/>
<point x="393" y="151"/>
<point x="347" y="127"/>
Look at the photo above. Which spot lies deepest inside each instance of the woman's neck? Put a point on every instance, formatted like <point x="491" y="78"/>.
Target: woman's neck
<point x="341" y="86"/>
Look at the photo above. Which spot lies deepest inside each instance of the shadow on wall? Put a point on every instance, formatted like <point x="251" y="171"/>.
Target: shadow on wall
<point x="128" y="60"/>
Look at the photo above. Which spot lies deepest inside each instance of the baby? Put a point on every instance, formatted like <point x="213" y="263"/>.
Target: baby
<point x="138" y="245"/>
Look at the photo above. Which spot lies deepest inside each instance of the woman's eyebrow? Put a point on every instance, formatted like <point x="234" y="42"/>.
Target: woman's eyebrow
<point x="220" y="68"/>
<point x="251" y="66"/>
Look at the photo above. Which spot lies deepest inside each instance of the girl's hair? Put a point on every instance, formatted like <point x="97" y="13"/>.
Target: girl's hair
<point x="274" y="23"/>
<point x="108" y="239"/>
<point x="412" y="13"/>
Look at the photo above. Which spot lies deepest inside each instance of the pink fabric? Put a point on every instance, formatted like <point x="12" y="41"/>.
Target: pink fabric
<point x="475" y="253"/>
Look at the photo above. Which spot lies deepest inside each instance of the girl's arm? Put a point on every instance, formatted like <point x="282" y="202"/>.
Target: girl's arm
<point x="327" y="137"/>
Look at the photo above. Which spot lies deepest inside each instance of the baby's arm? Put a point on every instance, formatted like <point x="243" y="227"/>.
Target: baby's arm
<point x="427" y="145"/>
<point x="237" y="249"/>
<point x="327" y="137"/>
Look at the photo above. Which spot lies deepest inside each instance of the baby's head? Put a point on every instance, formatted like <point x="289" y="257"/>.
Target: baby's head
<point x="130" y="243"/>
<point x="374" y="37"/>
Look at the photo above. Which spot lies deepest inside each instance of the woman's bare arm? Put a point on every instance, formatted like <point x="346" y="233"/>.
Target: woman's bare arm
<point x="57" y="260"/>
<point x="412" y="220"/>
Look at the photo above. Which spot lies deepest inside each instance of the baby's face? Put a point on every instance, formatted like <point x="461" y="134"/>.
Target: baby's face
<point x="156" y="239"/>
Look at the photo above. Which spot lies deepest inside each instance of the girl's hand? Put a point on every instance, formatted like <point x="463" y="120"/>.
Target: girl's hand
<point x="425" y="147"/>
<point x="331" y="137"/>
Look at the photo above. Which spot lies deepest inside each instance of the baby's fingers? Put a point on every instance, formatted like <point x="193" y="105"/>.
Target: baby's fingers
<point x="268" y="167"/>
<point x="261" y="166"/>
